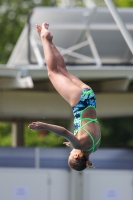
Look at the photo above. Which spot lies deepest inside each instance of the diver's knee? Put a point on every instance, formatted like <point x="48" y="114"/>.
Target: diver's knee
<point x="52" y="72"/>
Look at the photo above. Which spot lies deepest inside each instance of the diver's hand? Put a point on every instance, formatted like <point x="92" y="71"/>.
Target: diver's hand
<point x="67" y="144"/>
<point x="37" y="126"/>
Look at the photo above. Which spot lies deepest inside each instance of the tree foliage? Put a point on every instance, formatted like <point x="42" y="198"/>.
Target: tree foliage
<point x="116" y="132"/>
<point x="42" y="138"/>
<point x="123" y="3"/>
<point x="5" y="134"/>
<point x="13" y="17"/>
<point x="118" y="3"/>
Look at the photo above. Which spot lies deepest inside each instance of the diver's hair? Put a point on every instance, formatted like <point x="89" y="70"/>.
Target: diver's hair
<point x="89" y="164"/>
<point x="80" y="163"/>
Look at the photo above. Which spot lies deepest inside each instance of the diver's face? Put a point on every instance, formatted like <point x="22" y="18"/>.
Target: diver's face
<point x="75" y="153"/>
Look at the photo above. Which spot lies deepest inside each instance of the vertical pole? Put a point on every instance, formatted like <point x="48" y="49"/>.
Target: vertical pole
<point x="76" y="180"/>
<point x="120" y="24"/>
<point x="71" y="127"/>
<point x="17" y="134"/>
<point x="37" y="158"/>
<point x="94" y="49"/>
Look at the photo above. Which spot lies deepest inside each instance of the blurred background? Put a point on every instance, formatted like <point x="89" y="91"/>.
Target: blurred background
<point x="95" y="39"/>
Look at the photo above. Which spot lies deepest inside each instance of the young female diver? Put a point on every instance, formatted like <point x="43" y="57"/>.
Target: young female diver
<point x="86" y="137"/>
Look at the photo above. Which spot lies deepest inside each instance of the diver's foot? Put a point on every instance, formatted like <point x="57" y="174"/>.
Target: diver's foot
<point x="45" y="33"/>
<point x="46" y="25"/>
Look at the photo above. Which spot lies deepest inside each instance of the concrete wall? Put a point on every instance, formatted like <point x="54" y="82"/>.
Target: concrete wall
<point x="108" y="185"/>
<point x="34" y="184"/>
<point x="55" y="184"/>
<point x="28" y="104"/>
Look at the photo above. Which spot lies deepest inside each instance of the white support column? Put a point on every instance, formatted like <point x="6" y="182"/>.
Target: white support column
<point x="120" y="24"/>
<point x="93" y="49"/>
<point x="37" y="53"/>
<point x="76" y="185"/>
<point x="76" y="55"/>
<point x="71" y="127"/>
<point x="37" y="158"/>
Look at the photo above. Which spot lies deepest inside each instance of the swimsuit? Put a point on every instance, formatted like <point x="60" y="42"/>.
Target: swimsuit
<point x="87" y="100"/>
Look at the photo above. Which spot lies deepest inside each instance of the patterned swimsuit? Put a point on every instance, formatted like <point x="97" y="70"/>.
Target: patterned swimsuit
<point x="87" y="100"/>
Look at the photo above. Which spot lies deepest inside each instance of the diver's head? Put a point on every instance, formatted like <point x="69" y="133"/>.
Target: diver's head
<point x="78" y="160"/>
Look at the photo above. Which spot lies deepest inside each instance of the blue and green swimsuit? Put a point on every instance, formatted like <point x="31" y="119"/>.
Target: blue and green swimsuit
<point x="87" y="100"/>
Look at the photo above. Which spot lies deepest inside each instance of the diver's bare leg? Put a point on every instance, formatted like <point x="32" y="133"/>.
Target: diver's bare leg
<point x="60" y="62"/>
<point x="61" y="66"/>
<point x="66" y="88"/>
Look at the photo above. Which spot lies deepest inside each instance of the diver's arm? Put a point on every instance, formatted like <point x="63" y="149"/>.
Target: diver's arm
<point x="57" y="130"/>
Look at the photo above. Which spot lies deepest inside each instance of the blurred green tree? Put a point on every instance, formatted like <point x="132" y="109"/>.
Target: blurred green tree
<point x="13" y="17"/>
<point x="5" y="134"/>
<point x="116" y="133"/>
<point x="123" y="3"/>
<point x="43" y="138"/>
<point x="118" y="3"/>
